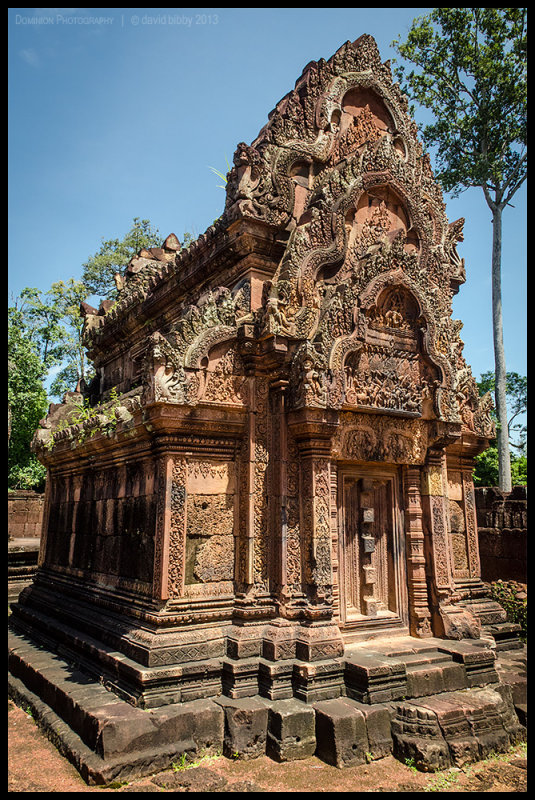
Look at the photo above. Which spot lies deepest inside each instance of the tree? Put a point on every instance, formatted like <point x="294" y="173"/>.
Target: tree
<point x="473" y="77"/>
<point x="486" y="471"/>
<point x="517" y="403"/>
<point x="67" y="298"/>
<point x="114" y="254"/>
<point x="27" y="403"/>
<point x="53" y="322"/>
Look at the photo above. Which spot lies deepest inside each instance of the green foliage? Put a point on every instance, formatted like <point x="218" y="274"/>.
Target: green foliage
<point x="512" y="596"/>
<point x="517" y="401"/>
<point x="486" y="472"/>
<point x="114" y="255"/>
<point x="86" y="420"/>
<point x="54" y="323"/>
<point x="27" y="403"/>
<point x="472" y="74"/>
<point x="221" y="175"/>
<point x="45" y="333"/>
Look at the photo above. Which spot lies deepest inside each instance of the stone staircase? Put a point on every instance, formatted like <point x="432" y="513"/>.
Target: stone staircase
<point x="436" y="703"/>
<point x="450" y="703"/>
<point x="383" y="671"/>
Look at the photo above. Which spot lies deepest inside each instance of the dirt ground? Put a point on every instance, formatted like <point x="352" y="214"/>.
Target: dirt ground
<point x="34" y="765"/>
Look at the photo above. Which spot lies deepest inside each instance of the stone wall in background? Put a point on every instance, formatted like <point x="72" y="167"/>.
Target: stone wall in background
<point x="25" y="514"/>
<point x="24" y="521"/>
<point x="502" y="529"/>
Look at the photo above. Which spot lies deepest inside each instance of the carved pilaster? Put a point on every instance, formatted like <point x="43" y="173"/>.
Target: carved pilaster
<point x="161" y="538"/>
<point x="449" y="619"/>
<point x="252" y="579"/>
<point x="434" y="496"/>
<point x="312" y="430"/>
<point x="419" y="612"/>
<point x="170" y="529"/>
<point x="470" y="516"/>
<point x="285" y="554"/>
<point x="315" y="520"/>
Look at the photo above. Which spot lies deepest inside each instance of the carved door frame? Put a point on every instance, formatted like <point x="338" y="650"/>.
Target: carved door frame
<point x="396" y="615"/>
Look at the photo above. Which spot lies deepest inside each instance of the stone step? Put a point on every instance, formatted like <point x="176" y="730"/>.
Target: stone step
<point x="388" y="673"/>
<point x="455" y="728"/>
<point x="105" y="737"/>
<point x="108" y="739"/>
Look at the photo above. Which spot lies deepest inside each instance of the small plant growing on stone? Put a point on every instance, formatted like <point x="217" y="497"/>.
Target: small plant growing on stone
<point x="409" y="762"/>
<point x="182" y="763"/>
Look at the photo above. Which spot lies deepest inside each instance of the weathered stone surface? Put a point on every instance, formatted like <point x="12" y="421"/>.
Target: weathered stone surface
<point x="373" y="679"/>
<point x="455" y="727"/>
<point x="341" y="733"/>
<point x="246" y="722"/>
<point x="291" y="731"/>
<point x="275" y="679"/>
<point x="378" y="719"/>
<point x="275" y="456"/>
<point x="317" y="681"/>
<point x="194" y="779"/>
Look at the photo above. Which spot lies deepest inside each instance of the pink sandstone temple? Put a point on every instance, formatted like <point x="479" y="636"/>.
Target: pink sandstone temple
<point x="273" y="500"/>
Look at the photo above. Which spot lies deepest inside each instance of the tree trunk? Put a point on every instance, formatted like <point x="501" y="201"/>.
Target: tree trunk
<point x="504" y="458"/>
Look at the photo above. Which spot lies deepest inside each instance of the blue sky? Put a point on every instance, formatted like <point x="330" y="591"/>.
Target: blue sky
<point x="120" y="113"/>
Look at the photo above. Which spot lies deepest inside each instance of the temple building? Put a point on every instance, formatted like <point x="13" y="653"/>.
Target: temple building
<point x="276" y="472"/>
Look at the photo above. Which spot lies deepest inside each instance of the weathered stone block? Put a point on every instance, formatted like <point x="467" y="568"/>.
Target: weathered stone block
<point x="371" y="679"/>
<point x="317" y="642"/>
<point x="317" y="681"/>
<point x="278" y="642"/>
<point x="246" y="721"/>
<point x="291" y="731"/>
<point x="378" y="726"/>
<point x="240" y="677"/>
<point x="275" y="679"/>
<point x="201" y="721"/>
<point x="124" y="729"/>
<point x="341" y="734"/>
<point x="417" y="736"/>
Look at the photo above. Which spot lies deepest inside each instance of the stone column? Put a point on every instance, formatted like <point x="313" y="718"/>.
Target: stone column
<point x="319" y="636"/>
<point x="449" y="619"/>
<point x="419" y="613"/>
<point x="253" y="605"/>
<point x="169" y="550"/>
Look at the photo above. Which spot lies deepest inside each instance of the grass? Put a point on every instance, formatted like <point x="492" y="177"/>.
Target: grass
<point x="444" y="781"/>
<point x="184" y="763"/>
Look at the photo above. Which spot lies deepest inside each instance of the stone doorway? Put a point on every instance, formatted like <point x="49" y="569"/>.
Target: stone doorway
<point x="373" y="592"/>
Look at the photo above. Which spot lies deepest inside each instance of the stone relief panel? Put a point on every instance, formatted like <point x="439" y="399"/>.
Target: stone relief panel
<point x="293" y="535"/>
<point x="378" y="218"/>
<point x="457" y="525"/>
<point x="386" y="379"/>
<point x="376" y="437"/>
<point x="458" y="539"/>
<point x="221" y="378"/>
<point x="177" y="527"/>
<point x="210" y="515"/>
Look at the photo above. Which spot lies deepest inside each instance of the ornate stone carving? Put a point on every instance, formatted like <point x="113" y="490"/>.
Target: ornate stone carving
<point x="304" y="338"/>
<point x="373" y="437"/>
<point x="308" y="377"/>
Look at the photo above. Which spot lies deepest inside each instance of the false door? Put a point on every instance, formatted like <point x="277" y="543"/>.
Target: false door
<point x="372" y="560"/>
